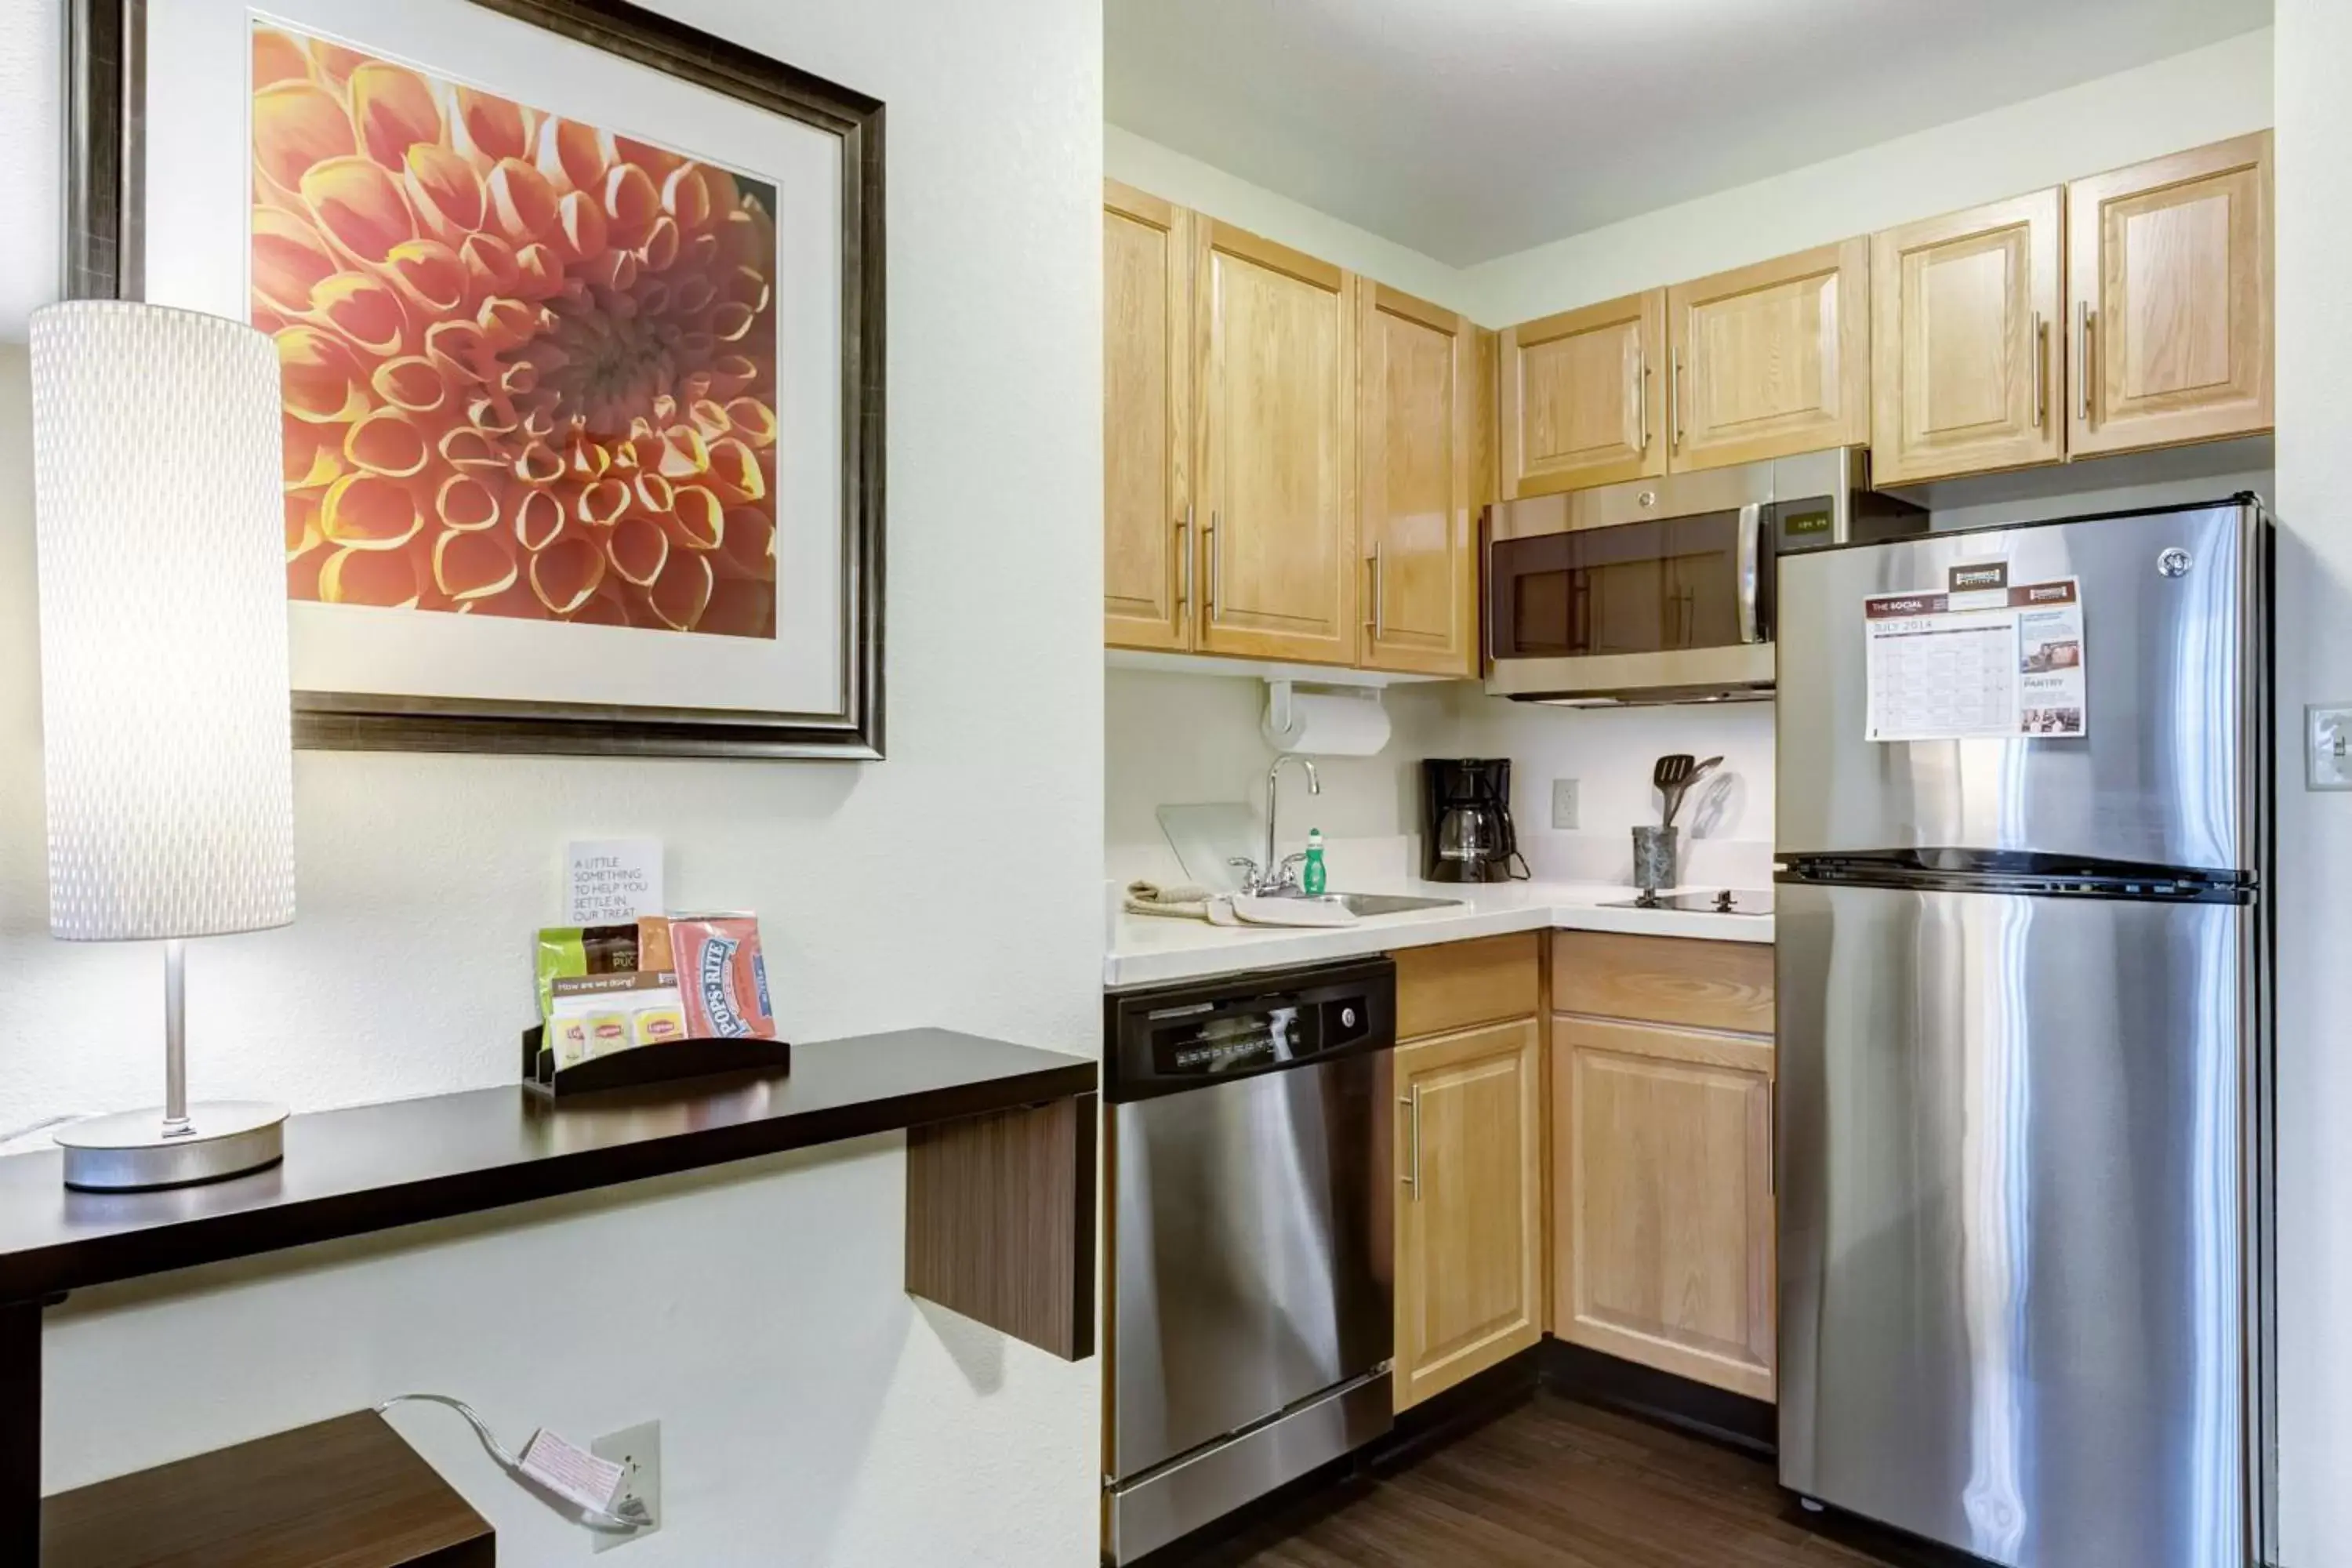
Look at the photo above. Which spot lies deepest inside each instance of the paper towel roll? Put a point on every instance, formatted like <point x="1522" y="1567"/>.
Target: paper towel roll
<point x="1329" y="724"/>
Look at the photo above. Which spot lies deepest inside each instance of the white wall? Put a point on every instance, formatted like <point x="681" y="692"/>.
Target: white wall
<point x="1192" y="739"/>
<point x="2205" y="95"/>
<point x="1188" y="181"/>
<point x="2315" y="664"/>
<point x="1726" y="824"/>
<point x="2223" y="89"/>
<point x="2021" y="498"/>
<point x="812" y="1413"/>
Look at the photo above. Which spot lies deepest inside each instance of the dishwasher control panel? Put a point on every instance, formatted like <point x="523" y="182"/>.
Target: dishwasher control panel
<point x="1167" y="1040"/>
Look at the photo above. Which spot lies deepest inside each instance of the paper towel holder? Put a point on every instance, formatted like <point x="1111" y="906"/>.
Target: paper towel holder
<point x="1281" y="716"/>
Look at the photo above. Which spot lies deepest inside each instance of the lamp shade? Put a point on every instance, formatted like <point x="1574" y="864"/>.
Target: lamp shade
<point x="165" y="701"/>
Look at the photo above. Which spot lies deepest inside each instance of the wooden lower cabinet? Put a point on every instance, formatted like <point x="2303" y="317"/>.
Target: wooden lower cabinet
<point x="1615" y="1183"/>
<point x="1469" y="1233"/>
<point x="1662" y="1128"/>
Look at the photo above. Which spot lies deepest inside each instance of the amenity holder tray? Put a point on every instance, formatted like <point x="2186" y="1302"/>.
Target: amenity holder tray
<point x="669" y="1062"/>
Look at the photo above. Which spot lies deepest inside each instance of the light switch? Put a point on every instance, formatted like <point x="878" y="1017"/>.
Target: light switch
<point x="2328" y="746"/>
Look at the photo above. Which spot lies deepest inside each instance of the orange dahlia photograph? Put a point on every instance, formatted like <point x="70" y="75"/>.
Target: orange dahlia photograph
<point x="530" y="364"/>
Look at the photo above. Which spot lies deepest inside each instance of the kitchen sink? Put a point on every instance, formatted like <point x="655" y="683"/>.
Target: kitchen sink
<point x="1368" y="904"/>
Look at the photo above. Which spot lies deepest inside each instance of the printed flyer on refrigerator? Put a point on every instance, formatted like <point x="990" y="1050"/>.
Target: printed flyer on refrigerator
<point x="1985" y="658"/>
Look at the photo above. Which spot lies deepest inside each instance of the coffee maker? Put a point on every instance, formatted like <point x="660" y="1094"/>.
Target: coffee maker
<point x="1465" y="821"/>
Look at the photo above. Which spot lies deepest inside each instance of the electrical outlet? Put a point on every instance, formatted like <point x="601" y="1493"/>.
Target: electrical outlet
<point x="1563" y="804"/>
<point x="638" y="1450"/>
<point x="2328" y="746"/>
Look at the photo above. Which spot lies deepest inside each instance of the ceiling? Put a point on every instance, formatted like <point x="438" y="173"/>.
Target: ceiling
<point x="1470" y="129"/>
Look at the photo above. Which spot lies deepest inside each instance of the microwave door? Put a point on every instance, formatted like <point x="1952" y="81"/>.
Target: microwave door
<point x="1656" y="603"/>
<point x="1714" y="578"/>
<point x="1597" y="591"/>
<point x="1627" y="599"/>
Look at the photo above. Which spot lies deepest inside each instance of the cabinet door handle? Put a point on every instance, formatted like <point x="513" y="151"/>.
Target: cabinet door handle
<point x="1184" y="564"/>
<point x="2083" y="363"/>
<point x="2040" y="370"/>
<point x="1675" y="401"/>
<point x="1379" y="620"/>
<point x="1412" y="1102"/>
<point x="1772" y="1135"/>
<point x="1641" y="399"/>
<point x="1209" y="544"/>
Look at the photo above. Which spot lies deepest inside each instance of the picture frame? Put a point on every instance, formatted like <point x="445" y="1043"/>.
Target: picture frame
<point x="109" y="119"/>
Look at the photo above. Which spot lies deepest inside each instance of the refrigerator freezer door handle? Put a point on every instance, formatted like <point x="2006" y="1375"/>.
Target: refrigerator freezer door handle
<point x="1751" y="552"/>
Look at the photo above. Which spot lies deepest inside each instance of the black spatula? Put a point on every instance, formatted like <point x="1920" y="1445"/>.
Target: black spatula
<point x="1669" y="776"/>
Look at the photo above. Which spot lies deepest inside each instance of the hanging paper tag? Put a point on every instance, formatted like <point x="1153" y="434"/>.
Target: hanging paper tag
<point x="573" y="1474"/>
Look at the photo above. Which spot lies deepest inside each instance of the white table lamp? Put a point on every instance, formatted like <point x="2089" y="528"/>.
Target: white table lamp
<point x="164" y="704"/>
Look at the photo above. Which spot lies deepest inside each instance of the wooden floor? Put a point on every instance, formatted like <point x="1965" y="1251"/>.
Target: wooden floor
<point x="1555" y="1485"/>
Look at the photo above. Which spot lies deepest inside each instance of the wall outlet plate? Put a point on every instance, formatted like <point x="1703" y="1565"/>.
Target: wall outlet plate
<point x="1563" y="804"/>
<point x="638" y="1450"/>
<point x="2328" y="746"/>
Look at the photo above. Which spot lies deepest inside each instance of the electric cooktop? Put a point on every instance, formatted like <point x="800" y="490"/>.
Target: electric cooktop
<point x="1729" y="901"/>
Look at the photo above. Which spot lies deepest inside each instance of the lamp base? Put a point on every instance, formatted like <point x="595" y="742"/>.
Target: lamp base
<point x="136" y="1151"/>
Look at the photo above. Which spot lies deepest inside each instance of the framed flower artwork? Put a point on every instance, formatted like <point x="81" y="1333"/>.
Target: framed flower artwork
<point x="580" y="314"/>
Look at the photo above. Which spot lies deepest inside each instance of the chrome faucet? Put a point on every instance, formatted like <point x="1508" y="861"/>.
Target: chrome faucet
<point x="1271" y="877"/>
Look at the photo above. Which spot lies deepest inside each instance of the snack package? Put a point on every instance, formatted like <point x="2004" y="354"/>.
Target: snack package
<point x="569" y="951"/>
<point x="653" y="942"/>
<point x="723" y="975"/>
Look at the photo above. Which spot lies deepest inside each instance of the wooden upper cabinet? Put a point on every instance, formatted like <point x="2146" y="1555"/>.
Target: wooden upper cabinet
<point x="1486" y="456"/>
<point x="2171" y="291"/>
<point x="1578" y="404"/>
<point x="1965" y="362"/>
<point x="1417" y="388"/>
<point x="1276" y="497"/>
<point x="1146" y="419"/>
<point x="1469" y="1261"/>
<point x="1770" y="360"/>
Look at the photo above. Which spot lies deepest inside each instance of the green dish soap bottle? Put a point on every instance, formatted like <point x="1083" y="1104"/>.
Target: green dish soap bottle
<point x="1311" y="880"/>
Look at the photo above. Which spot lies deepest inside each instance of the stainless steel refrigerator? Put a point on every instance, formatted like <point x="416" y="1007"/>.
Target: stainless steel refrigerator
<point x="2023" y="1113"/>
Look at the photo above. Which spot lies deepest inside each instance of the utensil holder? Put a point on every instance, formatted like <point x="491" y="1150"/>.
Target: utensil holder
<point x="1654" y="857"/>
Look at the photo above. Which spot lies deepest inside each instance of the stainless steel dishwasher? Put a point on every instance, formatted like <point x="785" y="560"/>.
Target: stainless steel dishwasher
<point x="1248" y="1184"/>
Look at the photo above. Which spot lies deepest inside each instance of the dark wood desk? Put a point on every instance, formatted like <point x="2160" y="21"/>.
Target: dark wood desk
<point x="1000" y="1190"/>
<point x="350" y="1491"/>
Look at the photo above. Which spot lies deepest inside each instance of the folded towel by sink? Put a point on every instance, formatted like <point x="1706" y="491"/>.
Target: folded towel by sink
<point x="1186" y="900"/>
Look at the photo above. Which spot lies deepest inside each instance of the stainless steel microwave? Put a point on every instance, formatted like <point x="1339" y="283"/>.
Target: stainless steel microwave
<point x="1661" y="590"/>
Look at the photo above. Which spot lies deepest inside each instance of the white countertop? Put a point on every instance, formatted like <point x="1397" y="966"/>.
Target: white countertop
<point x="1152" y="950"/>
